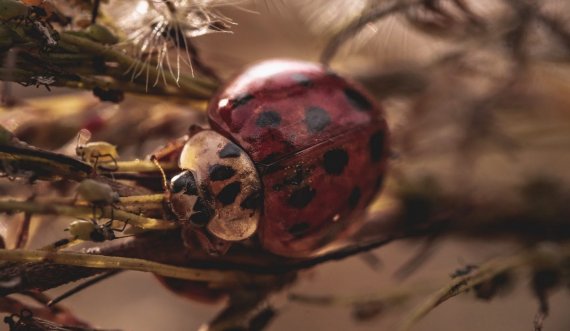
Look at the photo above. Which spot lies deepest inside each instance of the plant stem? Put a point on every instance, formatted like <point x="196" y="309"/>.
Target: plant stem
<point x="143" y="166"/>
<point x="124" y="263"/>
<point x="86" y="212"/>
<point x="195" y="87"/>
<point x="142" y="199"/>
<point x="537" y="257"/>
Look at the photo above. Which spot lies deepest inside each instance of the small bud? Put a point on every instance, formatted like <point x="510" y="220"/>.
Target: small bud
<point x="100" y="34"/>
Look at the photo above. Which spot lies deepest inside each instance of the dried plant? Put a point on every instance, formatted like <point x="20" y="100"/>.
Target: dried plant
<point x="479" y="131"/>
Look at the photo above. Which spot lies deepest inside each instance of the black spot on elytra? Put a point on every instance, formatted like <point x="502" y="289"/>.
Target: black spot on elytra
<point x="268" y="118"/>
<point x="300" y="198"/>
<point x="335" y="160"/>
<point x="229" y="193"/>
<point x="376" y="146"/>
<point x="184" y="182"/>
<point x="241" y="100"/>
<point x="221" y="172"/>
<point x="252" y="201"/>
<point x="354" y="197"/>
<point x="357" y="99"/>
<point x="302" y="80"/>
<point x="229" y="151"/>
<point x="202" y="213"/>
<point x="316" y="119"/>
<point x="299" y="229"/>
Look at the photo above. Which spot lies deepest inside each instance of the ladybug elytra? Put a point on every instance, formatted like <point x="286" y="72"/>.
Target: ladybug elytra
<point x="295" y="153"/>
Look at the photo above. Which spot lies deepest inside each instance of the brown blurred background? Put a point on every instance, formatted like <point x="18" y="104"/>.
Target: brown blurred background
<point x="300" y="29"/>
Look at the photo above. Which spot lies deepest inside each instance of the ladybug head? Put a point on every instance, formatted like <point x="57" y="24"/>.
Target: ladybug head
<point x="219" y="188"/>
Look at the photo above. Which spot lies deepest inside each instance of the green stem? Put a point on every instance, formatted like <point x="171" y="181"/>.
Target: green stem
<point x="195" y="87"/>
<point x="124" y="263"/>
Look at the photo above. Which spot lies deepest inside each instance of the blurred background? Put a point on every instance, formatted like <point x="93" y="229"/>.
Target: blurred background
<point x="479" y="113"/>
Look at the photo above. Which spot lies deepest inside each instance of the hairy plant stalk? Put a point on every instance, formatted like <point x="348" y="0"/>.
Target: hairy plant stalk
<point x="195" y="87"/>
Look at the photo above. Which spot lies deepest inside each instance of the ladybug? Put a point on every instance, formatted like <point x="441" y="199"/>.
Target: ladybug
<point x="294" y="155"/>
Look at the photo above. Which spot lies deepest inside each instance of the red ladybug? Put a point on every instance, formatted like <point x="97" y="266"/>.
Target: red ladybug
<point x="295" y="153"/>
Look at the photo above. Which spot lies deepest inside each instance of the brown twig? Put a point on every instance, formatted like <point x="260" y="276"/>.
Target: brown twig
<point x="534" y="257"/>
<point x="124" y="263"/>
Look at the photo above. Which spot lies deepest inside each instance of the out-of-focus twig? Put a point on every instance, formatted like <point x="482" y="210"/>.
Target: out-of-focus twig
<point x="373" y="15"/>
<point x="535" y="257"/>
<point x="365" y="307"/>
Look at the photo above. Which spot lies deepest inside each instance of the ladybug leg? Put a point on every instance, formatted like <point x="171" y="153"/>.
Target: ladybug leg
<point x="112" y="213"/>
<point x="93" y="213"/>
<point x="95" y="11"/>
<point x="101" y="208"/>
<point x="10" y="320"/>
<point x="94" y="159"/>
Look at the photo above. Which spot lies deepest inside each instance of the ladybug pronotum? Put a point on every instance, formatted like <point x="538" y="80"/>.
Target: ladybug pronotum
<point x="294" y="155"/>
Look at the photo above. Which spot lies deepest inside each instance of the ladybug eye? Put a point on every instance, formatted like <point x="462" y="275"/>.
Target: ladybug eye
<point x="184" y="181"/>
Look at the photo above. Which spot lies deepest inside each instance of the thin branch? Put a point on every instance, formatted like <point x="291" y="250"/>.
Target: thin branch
<point x="390" y="297"/>
<point x="486" y="272"/>
<point x="124" y="263"/>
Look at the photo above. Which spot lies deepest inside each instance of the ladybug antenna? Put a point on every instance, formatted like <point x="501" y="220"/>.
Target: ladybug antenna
<point x="164" y="181"/>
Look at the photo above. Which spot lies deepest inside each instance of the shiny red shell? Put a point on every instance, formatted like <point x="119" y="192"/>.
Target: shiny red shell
<point x="319" y="143"/>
